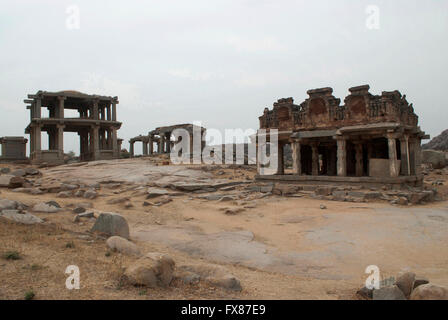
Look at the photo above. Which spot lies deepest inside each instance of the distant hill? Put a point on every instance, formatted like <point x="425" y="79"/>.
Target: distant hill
<point x="438" y="143"/>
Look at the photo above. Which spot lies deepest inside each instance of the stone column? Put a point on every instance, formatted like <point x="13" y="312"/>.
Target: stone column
<point x="95" y="110"/>
<point x="393" y="167"/>
<point x="108" y="118"/>
<point x="342" y="155"/>
<point x="168" y="143"/>
<point x="37" y="108"/>
<point x="405" y="159"/>
<point x="114" y="111"/>
<point x="114" y="137"/>
<point x="162" y="144"/>
<point x="315" y="159"/>
<point x="60" y="140"/>
<point x="359" y="159"/>
<point x="145" y="147"/>
<point x="131" y="148"/>
<point x="151" y="145"/>
<point x="95" y="142"/>
<point x="37" y="142"/>
<point x="296" y="161"/>
<point x="60" y="112"/>
<point x="280" y="166"/>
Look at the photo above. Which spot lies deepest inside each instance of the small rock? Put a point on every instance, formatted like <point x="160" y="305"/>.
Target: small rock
<point x="5" y="170"/>
<point x="365" y="292"/>
<point x="388" y="293"/>
<point x="429" y="291"/>
<point x="32" y="171"/>
<point x="11" y="181"/>
<point x="68" y="187"/>
<point x="78" y="210"/>
<point x="64" y="194"/>
<point x="90" y="194"/>
<point x="53" y="203"/>
<point x="6" y="204"/>
<point x="45" y="207"/>
<point x="122" y="245"/>
<point x="79" y="193"/>
<point x="322" y="206"/>
<point x="117" y="200"/>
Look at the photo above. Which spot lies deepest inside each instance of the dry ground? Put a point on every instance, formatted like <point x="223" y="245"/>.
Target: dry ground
<point x="279" y="248"/>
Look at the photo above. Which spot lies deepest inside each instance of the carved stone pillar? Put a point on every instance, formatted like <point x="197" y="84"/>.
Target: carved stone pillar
<point x="296" y="159"/>
<point x="314" y="159"/>
<point x="393" y="165"/>
<point x="60" y="112"/>
<point x="405" y="159"/>
<point x="342" y="155"/>
<point x="60" y="140"/>
<point x="359" y="159"/>
<point x="280" y="165"/>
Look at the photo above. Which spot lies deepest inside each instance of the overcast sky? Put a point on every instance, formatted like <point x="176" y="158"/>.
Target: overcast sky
<point x="219" y="62"/>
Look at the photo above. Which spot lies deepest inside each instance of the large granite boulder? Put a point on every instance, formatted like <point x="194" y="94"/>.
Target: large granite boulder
<point x="123" y="245"/>
<point x="111" y="224"/>
<point x="388" y="293"/>
<point x="153" y="270"/>
<point x="429" y="292"/>
<point x="435" y="158"/>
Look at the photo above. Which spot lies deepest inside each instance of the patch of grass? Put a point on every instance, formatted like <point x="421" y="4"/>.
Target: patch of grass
<point x="70" y="245"/>
<point x="12" y="255"/>
<point x="29" y="295"/>
<point x="143" y="292"/>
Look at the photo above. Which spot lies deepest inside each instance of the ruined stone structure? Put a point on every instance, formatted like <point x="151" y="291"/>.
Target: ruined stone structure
<point x="161" y="137"/>
<point x="13" y="148"/>
<point x="370" y="139"/>
<point x="96" y="125"/>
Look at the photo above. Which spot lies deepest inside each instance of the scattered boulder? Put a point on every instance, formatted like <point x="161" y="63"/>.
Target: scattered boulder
<point x="45" y="207"/>
<point x="78" y="210"/>
<point x="64" y="194"/>
<point x="53" y="203"/>
<point x="435" y="158"/>
<point x="215" y="275"/>
<point x="79" y="193"/>
<point x="68" y="187"/>
<point x="152" y="270"/>
<point x="388" y="293"/>
<point x="111" y="224"/>
<point x="90" y="194"/>
<point x="18" y="173"/>
<point x="429" y="291"/>
<point x="123" y="245"/>
<point x="117" y="200"/>
<point x="31" y="171"/>
<point x="405" y="282"/>
<point x="78" y="217"/>
<point x="5" y="170"/>
<point x="6" y="204"/>
<point x="11" y="181"/>
<point x="24" y="218"/>
<point x="419" y="281"/>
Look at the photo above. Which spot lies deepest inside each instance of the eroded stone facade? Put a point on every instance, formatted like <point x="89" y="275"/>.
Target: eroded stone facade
<point x="13" y="148"/>
<point x="370" y="137"/>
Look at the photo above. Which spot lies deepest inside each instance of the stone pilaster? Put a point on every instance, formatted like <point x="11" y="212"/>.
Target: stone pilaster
<point x="393" y="165"/>
<point x="315" y="159"/>
<point x="404" y="155"/>
<point x="359" y="159"/>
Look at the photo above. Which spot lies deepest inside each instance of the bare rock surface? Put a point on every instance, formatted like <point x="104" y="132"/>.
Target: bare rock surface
<point x="388" y="293"/>
<point x="45" y="207"/>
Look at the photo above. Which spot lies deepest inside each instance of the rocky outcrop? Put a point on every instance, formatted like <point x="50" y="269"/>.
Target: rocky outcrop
<point x="439" y="142"/>
<point x="435" y="158"/>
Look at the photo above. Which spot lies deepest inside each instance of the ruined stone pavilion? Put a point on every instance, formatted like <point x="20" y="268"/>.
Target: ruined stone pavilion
<point x="162" y="138"/>
<point x="13" y="148"/>
<point x="95" y="122"/>
<point x="370" y="140"/>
